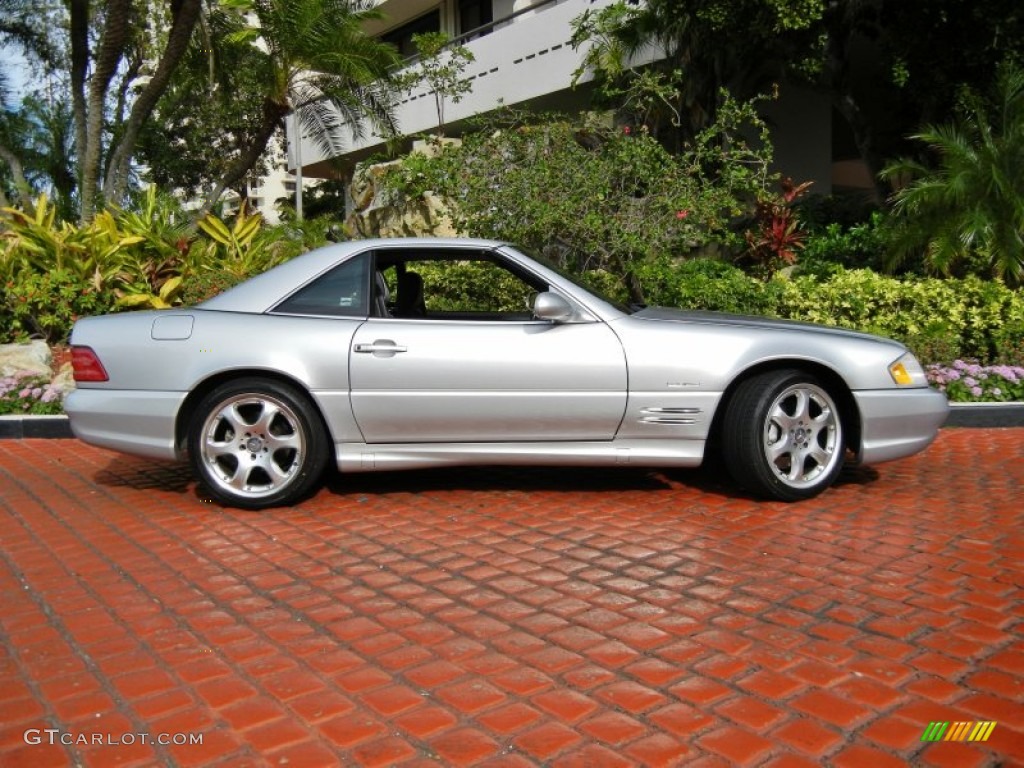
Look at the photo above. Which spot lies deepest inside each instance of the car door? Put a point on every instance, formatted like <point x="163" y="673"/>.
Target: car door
<point x="468" y="377"/>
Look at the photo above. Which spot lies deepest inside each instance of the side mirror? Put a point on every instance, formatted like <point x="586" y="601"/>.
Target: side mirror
<point x="551" y="306"/>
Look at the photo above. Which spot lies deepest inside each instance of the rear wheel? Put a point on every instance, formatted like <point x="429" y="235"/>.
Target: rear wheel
<point x="257" y="443"/>
<point x="783" y="436"/>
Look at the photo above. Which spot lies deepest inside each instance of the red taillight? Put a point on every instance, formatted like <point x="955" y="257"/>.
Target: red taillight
<point x="87" y="365"/>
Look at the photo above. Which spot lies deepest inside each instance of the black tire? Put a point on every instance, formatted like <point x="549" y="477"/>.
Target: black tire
<point x="783" y="436"/>
<point x="257" y="443"/>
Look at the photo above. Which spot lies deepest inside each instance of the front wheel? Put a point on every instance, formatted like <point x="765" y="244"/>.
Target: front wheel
<point x="783" y="436"/>
<point x="257" y="443"/>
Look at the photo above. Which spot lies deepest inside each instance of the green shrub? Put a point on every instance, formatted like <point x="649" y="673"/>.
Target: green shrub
<point x="46" y="305"/>
<point x="706" y="283"/>
<point x="862" y="245"/>
<point x="596" y="198"/>
<point x="203" y="285"/>
<point x="940" y="320"/>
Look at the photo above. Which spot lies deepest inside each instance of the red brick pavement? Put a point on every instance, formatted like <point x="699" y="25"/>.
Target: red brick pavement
<point x="512" y="617"/>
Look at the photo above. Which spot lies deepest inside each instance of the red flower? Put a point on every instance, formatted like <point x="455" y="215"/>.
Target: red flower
<point x="682" y="214"/>
<point x="626" y="130"/>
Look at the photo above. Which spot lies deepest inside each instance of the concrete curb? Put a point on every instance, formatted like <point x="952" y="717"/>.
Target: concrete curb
<point x="19" y="427"/>
<point x="986" y="415"/>
<point x="970" y="415"/>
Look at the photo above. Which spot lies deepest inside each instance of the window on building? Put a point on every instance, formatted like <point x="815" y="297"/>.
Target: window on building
<point x="401" y="37"/>
<point x="474" y="14"/>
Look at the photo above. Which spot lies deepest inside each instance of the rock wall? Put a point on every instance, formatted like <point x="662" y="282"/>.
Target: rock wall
<point x="33" y="357"/>
<point x="379" y="213"/>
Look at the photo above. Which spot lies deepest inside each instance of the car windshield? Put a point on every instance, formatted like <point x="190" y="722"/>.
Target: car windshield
<point x="581" y="281"/>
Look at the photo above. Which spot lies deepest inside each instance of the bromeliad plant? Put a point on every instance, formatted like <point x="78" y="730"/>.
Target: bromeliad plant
<point x="779" y="235"/>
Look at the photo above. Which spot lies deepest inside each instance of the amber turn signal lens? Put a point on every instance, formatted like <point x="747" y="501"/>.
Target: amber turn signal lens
<point x="900" y="374"/>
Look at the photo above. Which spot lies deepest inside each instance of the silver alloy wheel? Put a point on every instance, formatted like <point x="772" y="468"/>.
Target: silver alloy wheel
<point x="253" y="445"/>
<point x="801" y="436"/>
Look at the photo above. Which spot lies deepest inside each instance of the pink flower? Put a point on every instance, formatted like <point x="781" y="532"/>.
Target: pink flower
<point x="626" y="130"/>
<point x="682" y="214"/>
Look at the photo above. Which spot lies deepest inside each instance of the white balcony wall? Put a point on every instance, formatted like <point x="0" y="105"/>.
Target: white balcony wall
<point x="530" y="57"/>
<point x="520" y="60"/>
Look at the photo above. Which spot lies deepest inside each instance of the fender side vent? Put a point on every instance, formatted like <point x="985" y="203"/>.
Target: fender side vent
<point x="669" y="416"/>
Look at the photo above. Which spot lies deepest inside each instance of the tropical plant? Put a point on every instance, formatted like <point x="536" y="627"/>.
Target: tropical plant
<point x="191" y="143"/>
<point x="231" y="249"/>
<point x="48" y="150"/>
<point x="156" y="242"/>
<point x="967" y="204"/>
<point x="314" y="60"/>
<point x="704" y="46"/>
<point x="884" y="65"/>
<point x="440" y="67"/>
<point x="13" y="182"/>
<point x="779" y="235"/>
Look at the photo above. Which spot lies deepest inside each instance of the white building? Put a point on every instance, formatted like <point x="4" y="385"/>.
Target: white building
<point x="278" y="183"/>
<point x="523" y="56"/>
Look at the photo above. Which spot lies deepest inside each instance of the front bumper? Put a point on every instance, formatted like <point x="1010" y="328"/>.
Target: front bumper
<point x="898" y="422"/>
<point x="137" y="422"/>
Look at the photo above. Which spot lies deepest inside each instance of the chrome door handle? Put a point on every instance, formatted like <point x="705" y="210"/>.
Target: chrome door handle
<point x="383" y="346"/>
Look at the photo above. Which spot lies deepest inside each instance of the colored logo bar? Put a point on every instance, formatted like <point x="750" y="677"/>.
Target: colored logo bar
<point x="963" y="731"/>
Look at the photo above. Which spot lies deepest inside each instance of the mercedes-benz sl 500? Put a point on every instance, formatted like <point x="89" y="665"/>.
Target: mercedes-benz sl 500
<point x="393" y="354"/>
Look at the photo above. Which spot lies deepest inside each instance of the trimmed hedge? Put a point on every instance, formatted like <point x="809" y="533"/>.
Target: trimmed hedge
<point x="941" y="320"/>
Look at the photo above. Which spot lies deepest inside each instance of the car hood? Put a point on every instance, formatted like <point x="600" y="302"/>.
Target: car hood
<point x="705" y="317"/>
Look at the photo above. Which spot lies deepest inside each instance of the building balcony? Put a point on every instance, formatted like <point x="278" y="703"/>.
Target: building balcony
<point x="522" y="58"/>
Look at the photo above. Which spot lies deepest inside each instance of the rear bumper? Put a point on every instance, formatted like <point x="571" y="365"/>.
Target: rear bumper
<point x="899" y="422"/>
<point x="136" y="422"/>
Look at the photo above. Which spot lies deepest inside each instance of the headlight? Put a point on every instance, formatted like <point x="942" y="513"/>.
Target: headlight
<point x="907" y="372"/>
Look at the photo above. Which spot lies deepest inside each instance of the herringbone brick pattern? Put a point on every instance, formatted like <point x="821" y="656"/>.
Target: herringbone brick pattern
<point x="512" y="617"/>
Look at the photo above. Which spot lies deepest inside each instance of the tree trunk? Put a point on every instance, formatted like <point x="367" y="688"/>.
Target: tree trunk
<point x="21" y="185"/>
<point x="79" y="30"/>
<point x="186" y="15"/>
<point x="108" y="57"/>
<point x="131" y="73"/>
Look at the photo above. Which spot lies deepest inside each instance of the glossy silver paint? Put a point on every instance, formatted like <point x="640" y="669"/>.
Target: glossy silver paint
<point x="582" y="382"/>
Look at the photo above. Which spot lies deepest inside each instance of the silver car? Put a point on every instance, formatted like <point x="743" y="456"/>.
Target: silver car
<point x="394" y="354"/>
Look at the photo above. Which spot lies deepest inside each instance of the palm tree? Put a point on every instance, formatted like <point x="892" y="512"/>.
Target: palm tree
<point x="969" y="205"/>
<point x="50" y="151"/>
<point x="20" y="28"/>
<point x="19" y="24"/>
<point x="316" y="60"/>
<point x="184" y="17"/>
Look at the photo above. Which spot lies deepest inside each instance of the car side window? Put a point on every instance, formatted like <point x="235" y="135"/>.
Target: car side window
<point x="341" y="292"/>
<point x="459" y="289"/>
